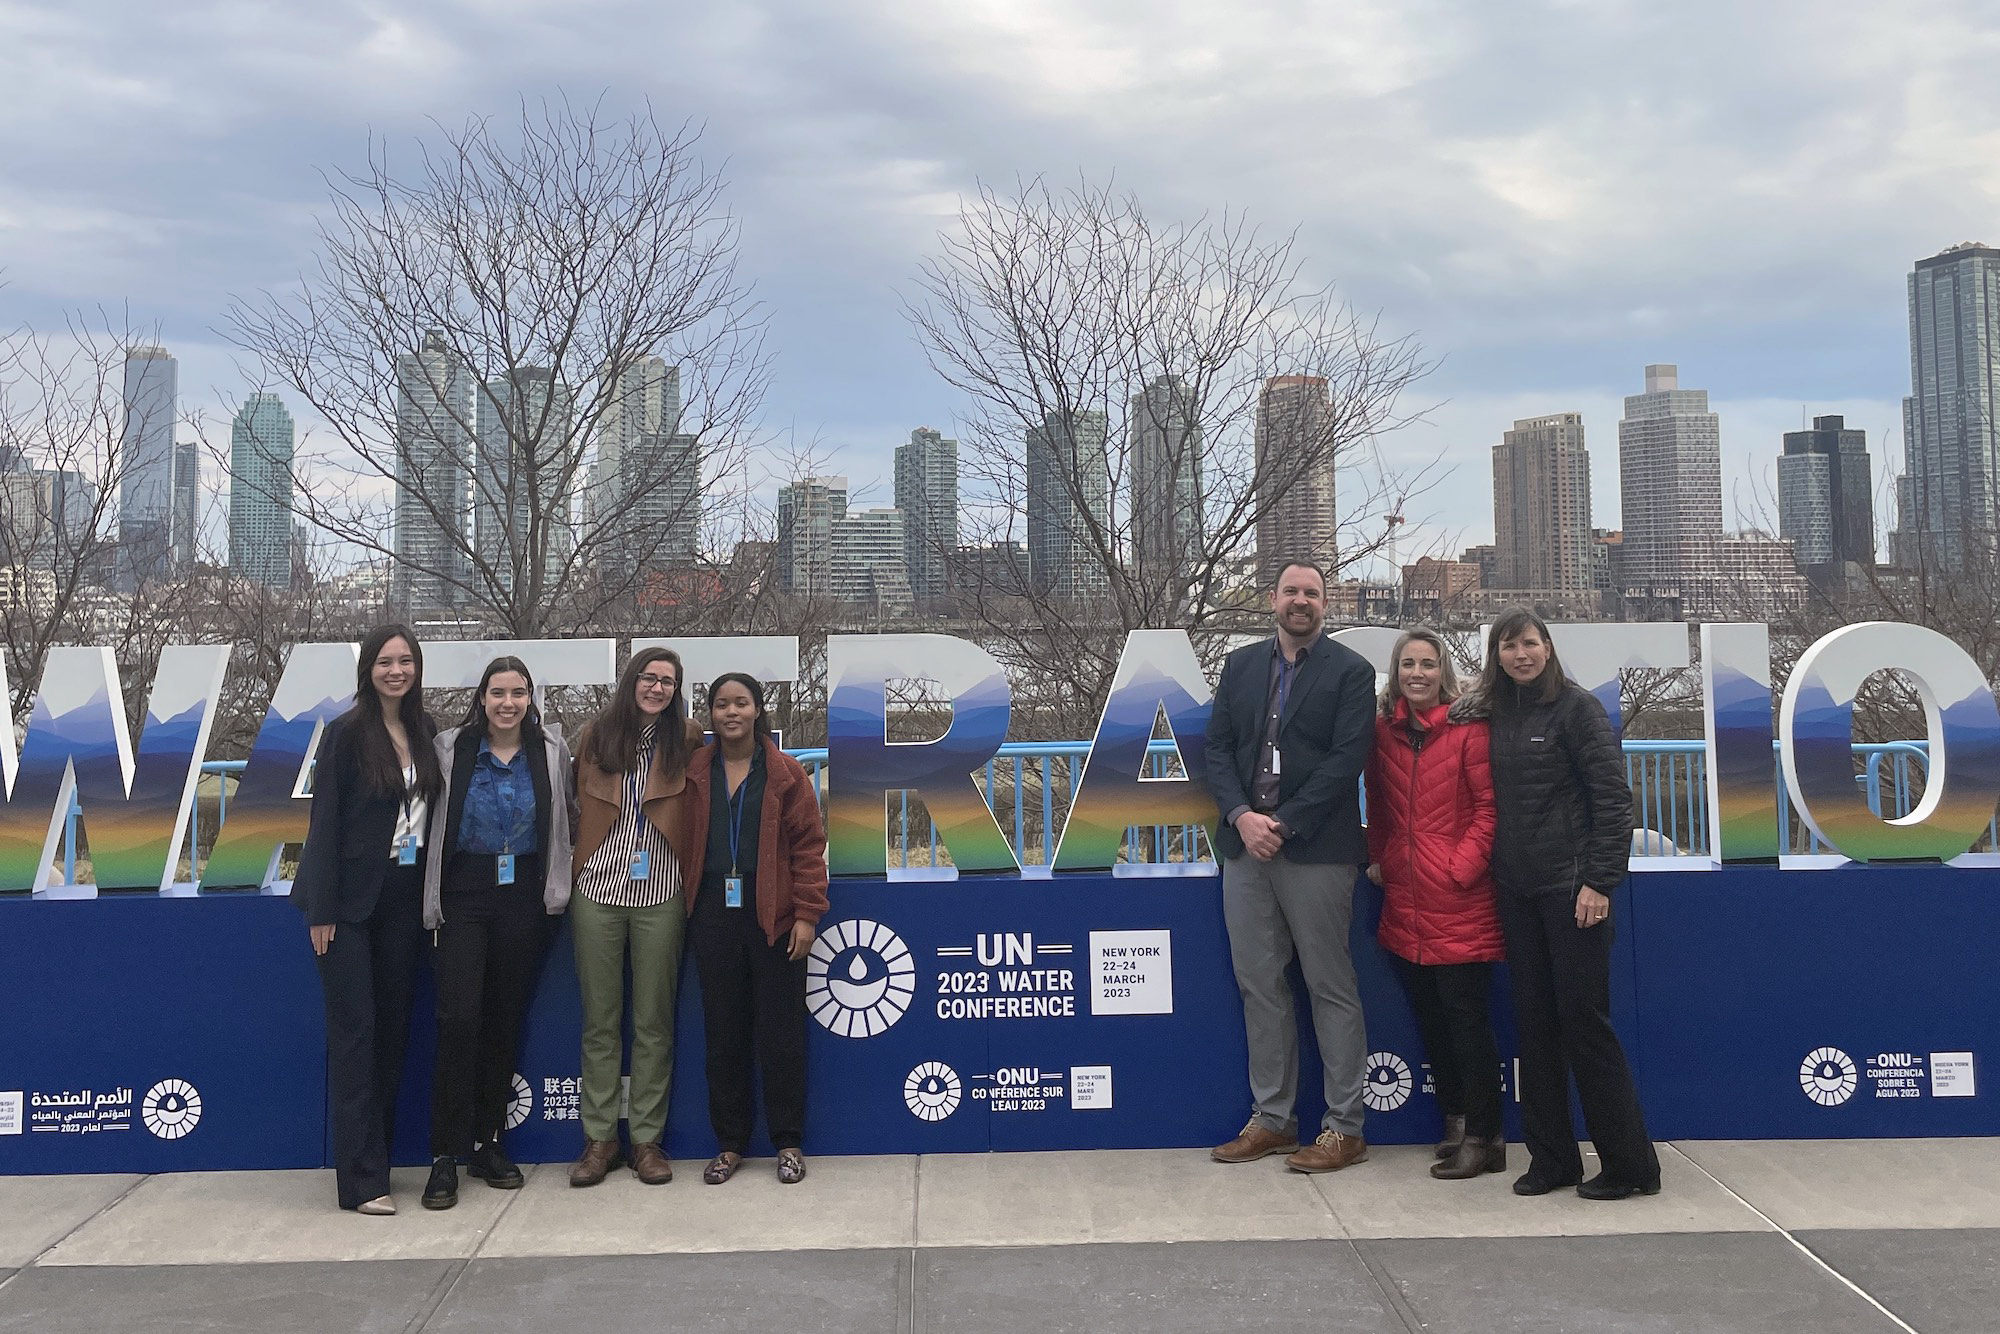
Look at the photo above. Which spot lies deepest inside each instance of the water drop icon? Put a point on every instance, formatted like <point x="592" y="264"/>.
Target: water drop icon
<point x="857" y="970"/>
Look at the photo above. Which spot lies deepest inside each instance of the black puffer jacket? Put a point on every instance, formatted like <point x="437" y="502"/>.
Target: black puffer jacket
<point x="1559" y="788"/>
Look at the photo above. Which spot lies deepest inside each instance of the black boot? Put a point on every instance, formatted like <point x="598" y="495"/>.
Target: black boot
<point x="441" y="1192"/>
<point x="1454" y="1135"/>
<point x="1475" y="1155"/>
<point x="490" y="1163"/>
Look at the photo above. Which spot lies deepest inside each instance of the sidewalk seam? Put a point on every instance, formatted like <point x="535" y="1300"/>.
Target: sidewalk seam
<point x="105" y="1208"/>
<point x="1385" y="1283"/>
<point x="1801" y="1247"/>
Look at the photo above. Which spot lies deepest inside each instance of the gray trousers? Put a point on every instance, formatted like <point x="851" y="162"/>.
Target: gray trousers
<point x="1274" y="910"/>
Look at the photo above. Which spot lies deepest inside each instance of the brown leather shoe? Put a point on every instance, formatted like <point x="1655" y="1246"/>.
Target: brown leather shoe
<point x="1329" y="1153"/>
<point x="650" y="1165"/>
<point x="599" y="1157"/>
<point x="1253" y="1143"/>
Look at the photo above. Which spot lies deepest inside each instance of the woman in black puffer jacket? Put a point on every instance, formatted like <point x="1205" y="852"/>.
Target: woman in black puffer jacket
<point x="1563" y="844"/>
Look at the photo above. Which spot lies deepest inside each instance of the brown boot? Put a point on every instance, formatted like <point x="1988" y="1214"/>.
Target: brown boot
<point x="1476" y="1155"/>
<point x="1454" y="1135"/>
<point x="1253" y="1143"/>
<point x="1329" y="1153"/>
<point x="650" y="1165"/>
<point x="599" y="1157"/>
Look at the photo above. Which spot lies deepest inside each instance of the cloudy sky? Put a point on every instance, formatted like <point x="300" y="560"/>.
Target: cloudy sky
<point x="1546" y="195"/>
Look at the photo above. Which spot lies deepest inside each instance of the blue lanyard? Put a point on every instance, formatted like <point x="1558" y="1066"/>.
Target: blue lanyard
<point x="735" y="821"/>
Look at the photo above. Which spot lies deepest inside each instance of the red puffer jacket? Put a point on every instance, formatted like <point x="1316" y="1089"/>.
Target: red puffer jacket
<point x="1430" y="829"/>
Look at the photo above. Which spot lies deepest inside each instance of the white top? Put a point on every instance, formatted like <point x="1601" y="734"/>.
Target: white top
<point x="412" y="818"/>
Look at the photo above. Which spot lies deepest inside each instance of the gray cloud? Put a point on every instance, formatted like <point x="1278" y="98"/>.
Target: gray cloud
<point x="1547" y="194"/>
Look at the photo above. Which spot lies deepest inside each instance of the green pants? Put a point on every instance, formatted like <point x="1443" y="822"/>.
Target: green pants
<point x="601" y="934"/>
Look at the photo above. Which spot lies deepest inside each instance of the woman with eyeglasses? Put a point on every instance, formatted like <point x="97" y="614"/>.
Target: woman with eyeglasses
<point x="631" y="768"/>
<point x="498" y="871"/>
<point x="360" y="884"/>
<point x="757" y="888"/>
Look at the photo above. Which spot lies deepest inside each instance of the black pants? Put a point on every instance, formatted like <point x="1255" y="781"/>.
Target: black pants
<point x="1450" y="1001"/>
<point x="367" y="973"/>
<point x="489" y="956"/>
<point x="1562" y="1006"/>
<point x="753" y="1001"/>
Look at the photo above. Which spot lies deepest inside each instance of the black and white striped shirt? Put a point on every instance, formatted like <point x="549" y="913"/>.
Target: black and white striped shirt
<point x="607" y="876"/>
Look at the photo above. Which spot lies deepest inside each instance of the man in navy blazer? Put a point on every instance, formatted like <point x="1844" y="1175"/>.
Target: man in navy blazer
<point x="1288" y="738"/>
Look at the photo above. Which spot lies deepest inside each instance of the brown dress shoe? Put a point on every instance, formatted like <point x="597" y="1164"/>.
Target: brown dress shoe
<point x="650" y="1165"/>
<point x="1476" y="1154"/>
<point x="1329" y="1153"/>
<point x="1253" y="1143"/>
<point x="599" y="1157"/>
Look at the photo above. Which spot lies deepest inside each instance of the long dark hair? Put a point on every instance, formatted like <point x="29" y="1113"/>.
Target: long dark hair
<point x="1509" y="626"/>
<point x="531" y="722"/>
<point x="380" y="774"/>
<point x="613" y="744"/>
<point x="761" y="728"/>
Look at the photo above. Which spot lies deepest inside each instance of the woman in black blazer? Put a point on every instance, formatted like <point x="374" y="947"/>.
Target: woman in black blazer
<point x="360" y="885"/>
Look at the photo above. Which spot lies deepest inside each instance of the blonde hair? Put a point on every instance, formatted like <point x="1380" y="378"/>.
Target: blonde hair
<point x="1392" y="690"/>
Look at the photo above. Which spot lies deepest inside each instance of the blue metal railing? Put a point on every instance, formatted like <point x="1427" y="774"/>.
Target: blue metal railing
<point x="1029" y="785"/>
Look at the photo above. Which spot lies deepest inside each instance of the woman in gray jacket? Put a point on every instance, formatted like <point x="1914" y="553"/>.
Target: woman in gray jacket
<point x="498" y="871"/>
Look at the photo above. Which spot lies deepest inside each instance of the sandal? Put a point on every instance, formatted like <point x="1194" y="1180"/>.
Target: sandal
<point x="791" y="1166"/>
<point x="721" y="1167"/>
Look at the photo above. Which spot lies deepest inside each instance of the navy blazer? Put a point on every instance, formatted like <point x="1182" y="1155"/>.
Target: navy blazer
<point x="350" y="832"/>
<point x="1325" y="736"/>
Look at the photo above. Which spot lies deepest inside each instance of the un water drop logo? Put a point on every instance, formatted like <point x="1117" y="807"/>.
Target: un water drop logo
<point x="520" y="1103"/>
<point x="932" y="1092"/>
<point x="860" y="978"/>
<point x="171" y="1108"/>
<point x="1828" y="1076"/>
<point x="1388" y="1083"/>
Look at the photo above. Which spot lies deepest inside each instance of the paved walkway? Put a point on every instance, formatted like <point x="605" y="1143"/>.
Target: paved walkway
<point x="1813" y="1237"/>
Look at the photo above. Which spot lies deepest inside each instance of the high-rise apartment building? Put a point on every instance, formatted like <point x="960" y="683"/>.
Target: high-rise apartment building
<point x="868" y="566"/>
<point x="1069" y="506"/>
<point x="1164" y="449"/>
<point x="1669" y="480"/>
<point x="434" y="425"/>
<point x="146" y="465"/>
<point x="187" y="503"/>
<point x="1295" y="493"/>
<point x="807" y="512"/>
<point x="527" y="470"/>
<point x="644" y="501"/>
<point x="927" y="494"/>
<point x="1949" y="496"/>
<point x="1826" y="499"/>
<point x="1541" y="505"/>
<point x="262" y="441"/>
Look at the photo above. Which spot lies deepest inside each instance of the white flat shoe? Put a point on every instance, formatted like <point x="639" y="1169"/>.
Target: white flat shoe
<point x="381" y="1206"/>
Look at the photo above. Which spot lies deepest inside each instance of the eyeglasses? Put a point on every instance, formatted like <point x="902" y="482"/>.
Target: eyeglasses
<point x="648" y="681"/>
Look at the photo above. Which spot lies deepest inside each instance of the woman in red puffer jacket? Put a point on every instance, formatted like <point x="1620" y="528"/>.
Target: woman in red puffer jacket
<point x="1430" y="845"/>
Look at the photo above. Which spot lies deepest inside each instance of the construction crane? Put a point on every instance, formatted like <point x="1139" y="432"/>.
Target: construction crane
<point x="1393" y="522"/>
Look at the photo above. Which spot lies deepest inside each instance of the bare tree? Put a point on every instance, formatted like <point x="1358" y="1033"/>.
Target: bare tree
<point x="65" y="459"/>
<point x="532" y="347"/>
<point x="1151" y="406"/>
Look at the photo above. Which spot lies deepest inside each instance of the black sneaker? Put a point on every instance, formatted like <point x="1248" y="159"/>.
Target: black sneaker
<point x="441" y="1192"/>
<point x="490" y="1163"/>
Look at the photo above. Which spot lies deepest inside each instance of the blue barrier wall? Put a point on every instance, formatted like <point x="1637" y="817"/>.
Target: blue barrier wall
<point x="159" y="1033"/>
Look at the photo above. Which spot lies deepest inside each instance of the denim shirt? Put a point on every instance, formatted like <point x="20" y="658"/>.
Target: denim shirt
<point x="499" y="805"/>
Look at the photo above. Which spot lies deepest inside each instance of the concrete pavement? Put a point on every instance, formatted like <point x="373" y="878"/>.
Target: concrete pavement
<point x="1771" y="1237"/>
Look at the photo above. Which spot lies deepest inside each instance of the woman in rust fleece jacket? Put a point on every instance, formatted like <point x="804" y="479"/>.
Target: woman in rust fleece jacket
<point x="756" y="889"/>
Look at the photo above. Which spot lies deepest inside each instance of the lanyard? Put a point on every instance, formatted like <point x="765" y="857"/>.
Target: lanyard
<point x="736" y="800"/>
